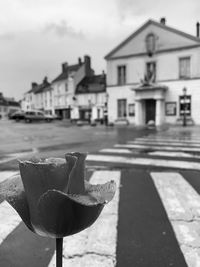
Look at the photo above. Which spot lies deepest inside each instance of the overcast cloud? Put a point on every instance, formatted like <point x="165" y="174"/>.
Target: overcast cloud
<point x="38" y="35"/>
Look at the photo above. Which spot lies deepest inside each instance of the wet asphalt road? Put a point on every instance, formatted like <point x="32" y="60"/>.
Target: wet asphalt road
<point x="145" y="237"/>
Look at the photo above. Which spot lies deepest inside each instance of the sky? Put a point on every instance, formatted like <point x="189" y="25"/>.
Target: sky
<point x="37" y="36"/>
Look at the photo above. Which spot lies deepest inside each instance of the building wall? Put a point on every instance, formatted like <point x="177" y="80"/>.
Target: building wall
<point x="165" y="40"/>
<point x="167" y="66"/>
<point x="94" y="102"/>
<point x="116" y="93"/>
<point x="167" y="74"/>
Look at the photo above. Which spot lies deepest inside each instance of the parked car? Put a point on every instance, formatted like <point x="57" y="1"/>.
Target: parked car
<point x="17" y="115"/>
<point x="36" y="116"/>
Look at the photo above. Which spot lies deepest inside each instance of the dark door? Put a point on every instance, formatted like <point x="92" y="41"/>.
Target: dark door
<point x="150" y="110"/>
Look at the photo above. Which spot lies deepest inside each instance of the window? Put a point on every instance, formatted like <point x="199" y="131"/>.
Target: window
<point x="185" y="105"/>
<point x="121" y="108"/>
<point x="121" y="75"/>
<point x="150" y="44"/>
<point x="66" y="87"/>
<point x="170" y="108"/>
<point x="131" y="110"/>
<point x="184" y="67"/>
<point x="150" y="72"/>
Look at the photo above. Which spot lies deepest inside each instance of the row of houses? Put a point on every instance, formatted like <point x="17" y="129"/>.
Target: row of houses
<point x="8" y="106"/>
<point x="152" y="76"/>
<point x="75" y="94"/>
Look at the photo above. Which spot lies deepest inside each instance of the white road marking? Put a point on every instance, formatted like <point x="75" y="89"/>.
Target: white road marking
<point x="9" y="220"/>
<point x="95" y="246"/>
<point x="169" y="139"/>
<point x="160" y="143"/>
<point x="145" y="161"/>
<point x="173" y="154"/>
<point x="114" y="150"/>
<point x="182" y="204"/>
<point x="6" y="174"/>
<point x="157" y="147"/>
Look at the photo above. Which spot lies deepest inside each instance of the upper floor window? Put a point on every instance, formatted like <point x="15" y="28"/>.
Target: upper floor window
<point x="121" y="75"/>
<point x="150" y="44"/>
<point x="150" y="76"/>
<point x="184" y="67"/>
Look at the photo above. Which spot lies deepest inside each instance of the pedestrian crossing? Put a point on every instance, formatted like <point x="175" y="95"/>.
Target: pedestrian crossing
<point x="161" y="150"/>
<point x="97" y="246"/>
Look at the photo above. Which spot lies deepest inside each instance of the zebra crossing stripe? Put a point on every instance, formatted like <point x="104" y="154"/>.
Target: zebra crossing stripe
<point x="173" y="154"/>
<point x="95" y="246"/>
<point x="9" y="220"/>
<point x="171" y="140"/>
<point x="5" y="175"/>
<point x="115" y="150"/>
<point x="157" y="147"/>
<point x="182" y="204"/>
<point x="145" y="161"/>
<point x="154" y="153"/>
<point x="156" y="143"/>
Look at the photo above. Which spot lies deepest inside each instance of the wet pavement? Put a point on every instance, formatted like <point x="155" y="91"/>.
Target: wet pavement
<point x="156" y="211"/>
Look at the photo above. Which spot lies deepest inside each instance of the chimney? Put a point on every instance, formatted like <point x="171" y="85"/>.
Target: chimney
<point x="163" y="21"/>
<point x="87" y="61"/>
<point x="197" y="29"/>
<point x="64" y="67"/>
<point x="45" y="81"/>
<point x="34" y="84"/>
<point x="79" y="61"/>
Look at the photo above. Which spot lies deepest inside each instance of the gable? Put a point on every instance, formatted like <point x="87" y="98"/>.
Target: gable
<point x="166" y="39"/>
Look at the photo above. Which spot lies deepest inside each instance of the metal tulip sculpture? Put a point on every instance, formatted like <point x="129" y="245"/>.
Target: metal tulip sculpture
<point x="53" y="198"/>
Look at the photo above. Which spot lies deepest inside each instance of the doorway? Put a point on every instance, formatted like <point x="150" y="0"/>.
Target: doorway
<point x="150" y="110"/>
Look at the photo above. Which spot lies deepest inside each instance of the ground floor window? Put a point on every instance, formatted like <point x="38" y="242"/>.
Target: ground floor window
<point x="121" y="108"/>
<point x="131" y="110"/>
<point x="170" y="108"/>
<point x="185" y="105"/>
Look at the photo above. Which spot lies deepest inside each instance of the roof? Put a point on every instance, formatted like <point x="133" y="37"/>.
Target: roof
<point x="146" y="24"/>
<point x="39" y="88"/>
<point x="64" y="75"/>
<point x="13" y="103"/>
<point x="42" y="87"/>
<point x="92" y="84"/>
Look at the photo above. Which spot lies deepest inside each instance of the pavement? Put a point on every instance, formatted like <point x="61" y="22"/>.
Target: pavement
<point x="153" y="220"/>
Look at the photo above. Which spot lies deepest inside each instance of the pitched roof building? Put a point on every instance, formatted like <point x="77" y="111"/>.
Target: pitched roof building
<point x="154" y="75"/>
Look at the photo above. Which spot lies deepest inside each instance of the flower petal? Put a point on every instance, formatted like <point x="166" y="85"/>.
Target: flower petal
<point x="39" y="177"/>
<point x="16" y="197"/>
<point x="103" y="193"/>
<point x="61" y="215"/>
<point x="77" y="175"/>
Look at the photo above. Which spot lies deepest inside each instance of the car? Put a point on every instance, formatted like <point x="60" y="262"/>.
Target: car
<point x="36" y="116"/>
<point x="17" y="115"/>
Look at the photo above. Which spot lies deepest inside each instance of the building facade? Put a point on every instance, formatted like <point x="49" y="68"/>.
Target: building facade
<point x="154" y="76"/>
<point x="64" y="86"/>
<point x="90" y="98"/>
<point x="39" y="97"/>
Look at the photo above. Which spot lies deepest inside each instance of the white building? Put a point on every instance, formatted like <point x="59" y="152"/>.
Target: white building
<point x="64" y="87"/>
<point x="91" y="98"/>
<point x="39" y="97"/>
<point x="154" y="75"/>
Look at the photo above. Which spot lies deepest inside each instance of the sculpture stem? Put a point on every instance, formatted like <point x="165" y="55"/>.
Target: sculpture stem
<point x="59" y="249"/>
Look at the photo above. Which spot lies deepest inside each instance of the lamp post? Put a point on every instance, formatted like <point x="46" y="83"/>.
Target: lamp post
<point x="184" y="106"/>
<point x="106" y="110"/>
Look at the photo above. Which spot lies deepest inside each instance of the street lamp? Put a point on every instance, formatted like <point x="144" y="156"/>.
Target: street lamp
<point x="184" y="106"/>
<point x="106" y="110"/>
